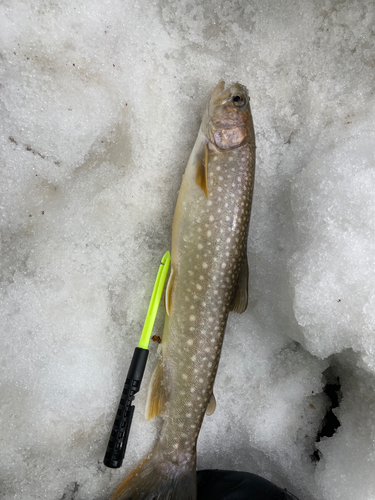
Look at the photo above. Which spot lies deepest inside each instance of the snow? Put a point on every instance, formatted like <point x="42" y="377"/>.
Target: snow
<point x="100" y="107"/>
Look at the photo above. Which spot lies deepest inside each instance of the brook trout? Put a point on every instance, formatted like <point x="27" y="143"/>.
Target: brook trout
<point x="209" y="278"/>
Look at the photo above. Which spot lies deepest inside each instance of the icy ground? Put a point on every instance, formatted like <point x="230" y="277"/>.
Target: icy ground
<point x="101" y="103"/>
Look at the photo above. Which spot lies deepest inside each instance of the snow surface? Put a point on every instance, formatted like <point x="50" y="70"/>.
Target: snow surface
<point x="101" y="104"/>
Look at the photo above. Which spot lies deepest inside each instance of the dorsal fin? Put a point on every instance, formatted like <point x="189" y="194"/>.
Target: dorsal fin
<point x="202" y="165"/>
<point x="157" y="396"/>
<point x="239" y="303"/>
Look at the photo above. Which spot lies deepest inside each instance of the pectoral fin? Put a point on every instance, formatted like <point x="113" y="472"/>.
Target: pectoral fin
<point x="239" y="303"/>
<point x="211" y="407"/>
<point x="157" y="395"/>
<point x="202" y="164"/>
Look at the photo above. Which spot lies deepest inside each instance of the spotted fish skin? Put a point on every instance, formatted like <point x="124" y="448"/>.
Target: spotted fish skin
<point x="208" y="269"/>
<point x="210" y="251"/>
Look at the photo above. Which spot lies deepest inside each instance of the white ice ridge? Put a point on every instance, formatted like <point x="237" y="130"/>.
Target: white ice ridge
<point x="100" y="107"/>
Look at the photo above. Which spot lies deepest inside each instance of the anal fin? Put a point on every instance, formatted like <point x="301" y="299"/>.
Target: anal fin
<point x="239" y="303"/>
<point x="157" y="396"/>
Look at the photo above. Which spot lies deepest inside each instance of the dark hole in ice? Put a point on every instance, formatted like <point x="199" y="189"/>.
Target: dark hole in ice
<point x="70" y="491"/>
<point x="330" y="422"/>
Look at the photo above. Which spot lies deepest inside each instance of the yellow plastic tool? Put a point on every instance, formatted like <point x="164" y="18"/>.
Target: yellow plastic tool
<point x="121" y="427"/>
<point x="155" y="301"/>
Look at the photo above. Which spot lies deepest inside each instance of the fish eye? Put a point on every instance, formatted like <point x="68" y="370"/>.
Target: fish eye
<point x="239" y="100"/>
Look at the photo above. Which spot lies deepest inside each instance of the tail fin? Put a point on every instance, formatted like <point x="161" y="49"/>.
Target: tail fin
<point x="156" y="479"/>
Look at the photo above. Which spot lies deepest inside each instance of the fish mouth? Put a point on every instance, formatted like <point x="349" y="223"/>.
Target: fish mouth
<point x="217" y="93"/>
<point x="220" y="95"/>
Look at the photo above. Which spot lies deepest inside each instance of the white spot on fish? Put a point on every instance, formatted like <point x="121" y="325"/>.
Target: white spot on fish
<point x="193" y="358"/>
<point x="204" y="265"/>
<point x="198" y="286"/>
<point x="211" y="219"/>
<point x="190" y="342"/>
<point x="192" y="317"/>
<point x="184" y="376"/>
<point x="200" y="246"/>
<point x="209" y="233"/>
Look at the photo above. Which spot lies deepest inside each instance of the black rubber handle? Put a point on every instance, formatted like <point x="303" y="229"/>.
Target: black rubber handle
<point x="115" y="453"/>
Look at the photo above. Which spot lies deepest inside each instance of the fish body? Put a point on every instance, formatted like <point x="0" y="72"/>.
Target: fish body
<point x="208" y="279"/>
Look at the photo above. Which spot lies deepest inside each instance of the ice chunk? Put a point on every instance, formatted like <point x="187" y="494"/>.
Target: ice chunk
<point x="333" y="270"/>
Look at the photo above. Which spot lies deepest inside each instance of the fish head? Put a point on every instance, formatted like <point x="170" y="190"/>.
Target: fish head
<point x="227" y="122"/>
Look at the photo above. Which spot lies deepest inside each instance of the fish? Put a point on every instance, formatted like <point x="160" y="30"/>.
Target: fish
<point x="208" y="279"/>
